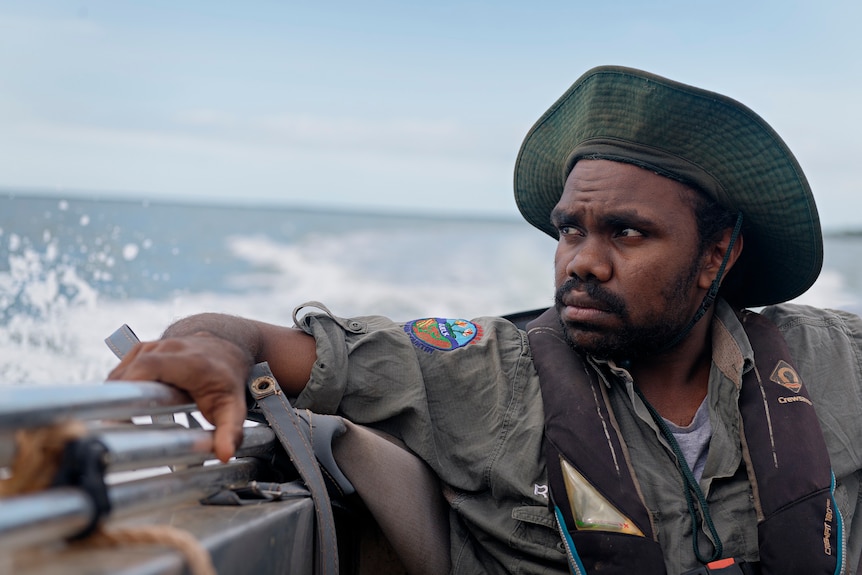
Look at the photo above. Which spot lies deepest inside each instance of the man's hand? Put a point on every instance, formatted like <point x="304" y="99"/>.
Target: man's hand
<point x="212" y="370"/>
<point x="210" y="356"/>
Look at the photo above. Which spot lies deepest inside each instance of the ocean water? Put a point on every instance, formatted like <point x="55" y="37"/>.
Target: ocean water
<point x="73" y="270"/>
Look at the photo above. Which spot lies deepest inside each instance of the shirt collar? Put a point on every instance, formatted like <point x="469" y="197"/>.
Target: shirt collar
<point x="731" y="350"/>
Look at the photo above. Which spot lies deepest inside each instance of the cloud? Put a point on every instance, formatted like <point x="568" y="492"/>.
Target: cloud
<point x="398" y="136"/>
<point x="394" y="164"/>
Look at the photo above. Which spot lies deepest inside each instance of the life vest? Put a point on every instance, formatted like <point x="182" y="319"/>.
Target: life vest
<point x="798" y="531"/>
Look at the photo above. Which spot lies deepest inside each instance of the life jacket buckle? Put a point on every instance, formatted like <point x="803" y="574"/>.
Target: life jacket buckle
<point x="729" y="566"/>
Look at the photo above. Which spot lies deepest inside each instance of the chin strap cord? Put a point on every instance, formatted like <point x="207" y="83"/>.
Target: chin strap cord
<point x="710" y="296"/>
<point x="690" y="486"/>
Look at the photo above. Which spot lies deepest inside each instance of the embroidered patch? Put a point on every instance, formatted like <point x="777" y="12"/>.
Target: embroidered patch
<point x="442" y="334"/>
<point x="785" y="375"/>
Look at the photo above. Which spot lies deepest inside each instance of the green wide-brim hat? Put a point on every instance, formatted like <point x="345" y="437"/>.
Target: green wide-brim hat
<point x="695" y="136"/>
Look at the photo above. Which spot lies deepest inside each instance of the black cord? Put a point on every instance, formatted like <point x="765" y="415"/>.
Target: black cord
<point x="710" y="296"/>
<point x="690" y="486"/>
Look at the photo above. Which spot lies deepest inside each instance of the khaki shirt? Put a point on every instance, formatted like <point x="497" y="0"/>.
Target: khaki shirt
<point x="474" y="414"/>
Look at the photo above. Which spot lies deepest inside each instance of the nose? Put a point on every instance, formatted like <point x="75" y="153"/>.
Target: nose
<point x="588" y="260"/>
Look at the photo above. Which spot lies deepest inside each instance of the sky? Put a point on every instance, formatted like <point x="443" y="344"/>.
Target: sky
<point x="414" y="107"/>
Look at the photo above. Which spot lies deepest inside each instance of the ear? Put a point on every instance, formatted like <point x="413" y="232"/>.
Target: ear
<point x="714" y="255"/>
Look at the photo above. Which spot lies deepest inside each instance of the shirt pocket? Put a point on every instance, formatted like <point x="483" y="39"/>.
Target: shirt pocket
<point x="536" y="534"/>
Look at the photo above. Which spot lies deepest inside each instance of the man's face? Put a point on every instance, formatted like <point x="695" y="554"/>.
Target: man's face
<point x="627" y="270"/>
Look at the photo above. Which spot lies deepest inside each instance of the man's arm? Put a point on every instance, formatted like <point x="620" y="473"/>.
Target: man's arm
<point x="210" y="356"/>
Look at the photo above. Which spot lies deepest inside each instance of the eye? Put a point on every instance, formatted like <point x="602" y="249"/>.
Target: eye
<point x="568" y="230"/>
<point x="630" y="233"/>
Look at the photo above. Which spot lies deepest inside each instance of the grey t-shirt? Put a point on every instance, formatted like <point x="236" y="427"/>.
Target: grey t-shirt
<point x="693" y="439"/>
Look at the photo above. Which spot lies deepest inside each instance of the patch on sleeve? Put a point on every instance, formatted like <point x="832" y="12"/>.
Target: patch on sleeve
<point x="437" y="333"/>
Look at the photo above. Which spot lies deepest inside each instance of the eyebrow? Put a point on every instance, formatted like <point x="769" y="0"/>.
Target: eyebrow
<point x="628" y="218"/>
<point x="558" y="214"/>
<point x="622" y="217"/>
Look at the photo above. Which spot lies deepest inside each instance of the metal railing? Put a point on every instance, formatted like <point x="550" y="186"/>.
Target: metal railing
<point x="166" y="461"/>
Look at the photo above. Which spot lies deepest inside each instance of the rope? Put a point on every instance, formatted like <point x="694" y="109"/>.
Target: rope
<point x="37" y="457"/>
<point x="196" y="555"/>
<point x="37" y="461"/>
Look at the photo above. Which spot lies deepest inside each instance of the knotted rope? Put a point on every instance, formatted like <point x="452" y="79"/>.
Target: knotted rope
<point x="37" y="461"/>
<point x="37" y="457"/>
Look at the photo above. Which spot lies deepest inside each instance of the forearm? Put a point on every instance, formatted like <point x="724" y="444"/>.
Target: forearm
<point x="289" y="352"/>
<point x="237" y="330"/>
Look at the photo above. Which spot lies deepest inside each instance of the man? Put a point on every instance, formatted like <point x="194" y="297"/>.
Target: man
<point x="672" y="427"/>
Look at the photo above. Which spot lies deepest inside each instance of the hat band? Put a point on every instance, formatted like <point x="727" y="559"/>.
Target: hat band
<point x="653" y="159"/>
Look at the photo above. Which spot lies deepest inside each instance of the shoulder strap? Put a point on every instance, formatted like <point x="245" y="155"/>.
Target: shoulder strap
<point x="781" y="428"/>
<point x="572" y="411"/>
<point x="798" y="521"/>
<point x="295" y="436"/>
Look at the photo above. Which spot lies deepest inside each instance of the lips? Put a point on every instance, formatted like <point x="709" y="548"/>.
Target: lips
<point x="587" y="303"/>
<point x="582" y="300"/>
<point x="580" y="309"/>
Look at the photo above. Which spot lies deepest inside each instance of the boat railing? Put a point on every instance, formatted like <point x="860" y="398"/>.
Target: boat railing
<point x="156" y="464"/>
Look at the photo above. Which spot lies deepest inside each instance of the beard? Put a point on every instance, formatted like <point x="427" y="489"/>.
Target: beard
<point x="632" y="340"/>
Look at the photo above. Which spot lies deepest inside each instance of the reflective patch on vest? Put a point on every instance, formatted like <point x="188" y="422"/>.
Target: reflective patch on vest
<point x="442" y="334"/>
<point x="785" y="375"/>
<point x="591" y="511"/>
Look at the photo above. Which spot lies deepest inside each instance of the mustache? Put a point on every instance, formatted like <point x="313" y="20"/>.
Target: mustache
<point x="609" y="300"/>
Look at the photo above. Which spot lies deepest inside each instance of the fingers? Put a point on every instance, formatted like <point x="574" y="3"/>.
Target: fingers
<point x="227" y="436"/>
<point x="117" y="373"/>
<point x="211" y="370"/>
<point x="226" y="410"/>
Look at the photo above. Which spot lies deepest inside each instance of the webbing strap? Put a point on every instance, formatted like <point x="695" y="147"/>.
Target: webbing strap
<point x="122" y="341"/>
<point x="295" y="436"/>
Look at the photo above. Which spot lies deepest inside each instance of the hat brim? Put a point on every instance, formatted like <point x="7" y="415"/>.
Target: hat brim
<point x="702" y="138"/>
